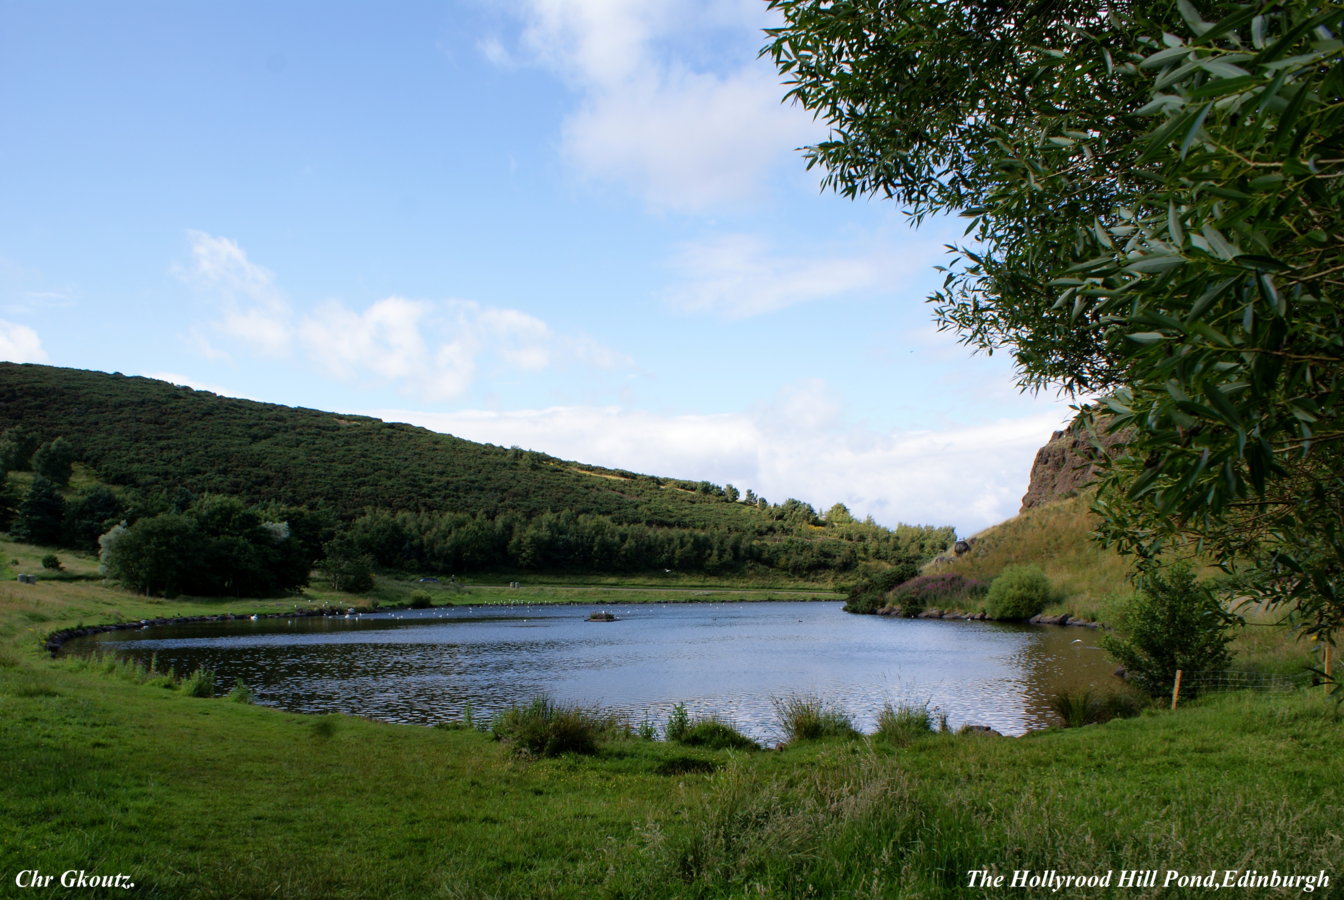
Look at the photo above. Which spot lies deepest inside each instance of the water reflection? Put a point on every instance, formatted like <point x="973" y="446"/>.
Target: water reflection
<point x="731" y="659"/>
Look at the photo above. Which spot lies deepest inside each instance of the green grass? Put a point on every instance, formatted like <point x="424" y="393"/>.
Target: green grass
<point x="111" y="768"/>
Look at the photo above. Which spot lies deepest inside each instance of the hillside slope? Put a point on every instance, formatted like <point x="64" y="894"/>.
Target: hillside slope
<point x="420" y="499"/>
<point x="151" y="434"/>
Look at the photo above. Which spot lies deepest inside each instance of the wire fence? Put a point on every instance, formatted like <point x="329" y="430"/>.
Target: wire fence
<point x="1201" y="683"/>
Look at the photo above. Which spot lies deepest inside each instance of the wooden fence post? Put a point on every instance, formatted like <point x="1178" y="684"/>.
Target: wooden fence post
<point x="1176" y="689"/>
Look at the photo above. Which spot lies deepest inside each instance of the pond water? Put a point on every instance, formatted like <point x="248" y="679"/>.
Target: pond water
<point x="732" y="659"/>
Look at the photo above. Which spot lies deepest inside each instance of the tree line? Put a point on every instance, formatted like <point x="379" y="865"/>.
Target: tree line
<point x="176" y="541"/>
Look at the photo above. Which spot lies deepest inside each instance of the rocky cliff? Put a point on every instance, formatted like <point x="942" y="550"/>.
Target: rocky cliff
<point x="1068" y="462"/>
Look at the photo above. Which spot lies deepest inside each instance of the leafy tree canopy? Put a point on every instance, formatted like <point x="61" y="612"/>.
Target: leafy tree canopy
<point x="1153" y="201"/>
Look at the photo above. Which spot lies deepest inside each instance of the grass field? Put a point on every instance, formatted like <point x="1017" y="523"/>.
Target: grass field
<point x="109" y="770"/>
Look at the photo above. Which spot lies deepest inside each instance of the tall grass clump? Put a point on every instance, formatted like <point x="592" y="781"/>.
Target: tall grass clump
<point x="544" y="727"/>
<point x="200" y="683"/>
<point x="1084" y="707"/>
<point x="1019" y="592"/>
<point x="948" y="590"/>
<point x="709" y="732"/>
<point x="902" y="724"/>
<point x="812" y="718"/>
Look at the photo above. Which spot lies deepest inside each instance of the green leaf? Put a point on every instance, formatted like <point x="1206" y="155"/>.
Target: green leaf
<point x="1194" y="128"/>
<point x="1152" y="265"/>
<point x="1162" y="57"/>
<point x="1147" y="337"/>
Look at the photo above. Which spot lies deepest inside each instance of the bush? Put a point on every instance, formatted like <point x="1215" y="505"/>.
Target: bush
<point x="811" y="718"/>
<point x="945" y="591"/>
<point x="901" y="725"/>
<point x="52" y="562"/>
<point x="1019" y="592"/>
<point x="709" y="732"/>
<point x="421" y="600"/>
<point x="1172" y="623"/>
<point x="546" y="728"/>
<point x="870" y="594"/>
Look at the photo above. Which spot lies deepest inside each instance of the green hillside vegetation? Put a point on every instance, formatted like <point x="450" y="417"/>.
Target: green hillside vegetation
<point x="356" y="494"/>
<point x="1087" y="579"/>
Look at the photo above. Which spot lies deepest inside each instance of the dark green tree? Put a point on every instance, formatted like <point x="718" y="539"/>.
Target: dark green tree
<point x="90" y="515"/>
<point x="55" y="460"/>
<point x="346" y="567"/>
<point x="1174" y="623"/>
<point x="158" y="556"/>
<point x="17" y="445"/>
<point x="1154" y="193"/>
<point x="40" y="515"/>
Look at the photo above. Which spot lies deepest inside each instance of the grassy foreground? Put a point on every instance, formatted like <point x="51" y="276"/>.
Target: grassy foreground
<point x="106" y="771"/>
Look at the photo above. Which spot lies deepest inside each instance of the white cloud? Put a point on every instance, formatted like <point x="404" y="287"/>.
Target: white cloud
<point x="20" y="344"/>
<point x="740" y="275"/>
<point x="254" y="309"/>
<point x="436" y="349"/>
<point x="797" y="446"/>
<point x="682" y="133"/>
<point x="432" y="349"/>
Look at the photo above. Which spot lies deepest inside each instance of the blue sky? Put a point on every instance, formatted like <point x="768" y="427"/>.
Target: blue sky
<point x="577" y="226"/>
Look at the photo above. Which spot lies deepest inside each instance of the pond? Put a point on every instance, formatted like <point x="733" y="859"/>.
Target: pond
<point x="732" y="659"/>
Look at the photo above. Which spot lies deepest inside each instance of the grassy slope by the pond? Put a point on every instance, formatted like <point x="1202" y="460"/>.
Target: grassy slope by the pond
<point x="210" y="798"/>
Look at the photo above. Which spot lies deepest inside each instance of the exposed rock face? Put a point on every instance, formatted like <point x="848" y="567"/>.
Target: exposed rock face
<point x="1067" y="463"/>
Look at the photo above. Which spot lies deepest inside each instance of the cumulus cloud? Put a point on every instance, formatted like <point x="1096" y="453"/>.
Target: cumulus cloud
<point x="799" y="445"/>
<point x="684" y="133"/>
<point x="253" y="307"/>
<point x="20" y="344"/>
<point x="437" y="348"/>
<point x="433" y="349"/>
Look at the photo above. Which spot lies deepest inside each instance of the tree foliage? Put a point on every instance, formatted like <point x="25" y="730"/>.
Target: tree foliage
<point x="219" y="546"/>
<point x="1174" y="623"/>
<point x="1153" y="195"/>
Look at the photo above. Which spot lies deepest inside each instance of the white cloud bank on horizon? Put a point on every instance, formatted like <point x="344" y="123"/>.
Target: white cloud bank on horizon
<point x="20" y="344"/>
<point x="433" y="349"/>
<point x="682" y="138"/>
<point x="970" y="477"/>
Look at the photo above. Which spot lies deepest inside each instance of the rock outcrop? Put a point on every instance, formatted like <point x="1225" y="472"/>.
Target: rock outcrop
<point x="1068" y="462"/>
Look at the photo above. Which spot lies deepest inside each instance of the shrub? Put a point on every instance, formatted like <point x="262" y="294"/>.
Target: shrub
<point x="421" y="600"/>
<point x="240" y="693"/>
<point x="1172" y="623"/>
<point x="200" y="683"/>
<point x="546" y="728"/>
<point x="1019" y="592"/>
<point x="870" y="594"/>
<point x="709" y="732"/>
<point x="944" y="591"/>
<point x="51" y="561"/>
<point x="903" y="724"/>
<point x="811" y="718"/>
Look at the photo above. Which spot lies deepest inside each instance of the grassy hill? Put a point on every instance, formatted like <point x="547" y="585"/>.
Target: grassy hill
<point x="1087" y="577"/>
<point x="442" y="503"/>
<point x="151" y="434"/>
